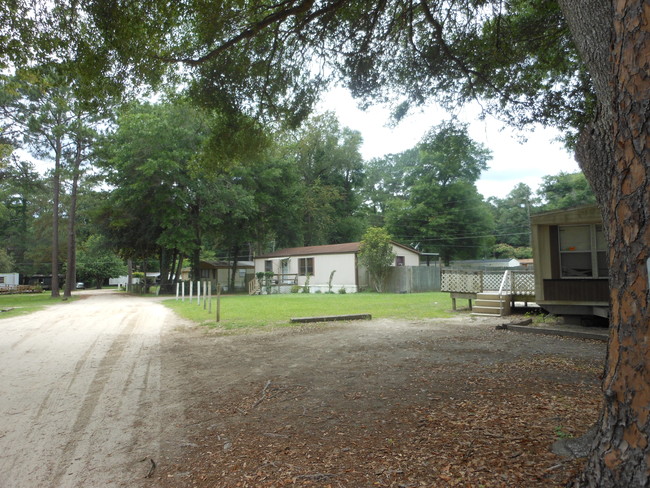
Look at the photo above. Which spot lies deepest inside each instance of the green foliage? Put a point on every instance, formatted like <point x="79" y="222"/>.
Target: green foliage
<point x="268" y="281"/>
<point x="561" y="433"/>
<point x="376" y="255"/>
<point x="502" y="251"/>
<point x="512" y="216"/>
<point x="7" y="264"/>
<point x="565" y="190"/>
<point x="96" y="262"/>
<point x="295" y="288"/>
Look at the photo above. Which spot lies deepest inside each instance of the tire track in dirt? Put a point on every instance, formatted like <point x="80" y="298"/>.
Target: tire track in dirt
<point x="92" y="398"/>
<point x="80" y="401"/>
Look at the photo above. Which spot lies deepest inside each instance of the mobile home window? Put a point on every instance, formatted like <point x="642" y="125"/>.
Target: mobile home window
<point x="583" y="251"/>
<point x="400" y="261"/>
<point x="306" y="266"/>
<point x="268" y="265"/>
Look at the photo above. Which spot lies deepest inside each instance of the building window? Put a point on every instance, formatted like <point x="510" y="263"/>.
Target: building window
<point x="583" y="251"/>
<point x="205" y="273"/>
<point x="2" y="279"/>
<point x="400" y="261"/>
<point x="268" y="266"/>
<point x="306" y="266"/>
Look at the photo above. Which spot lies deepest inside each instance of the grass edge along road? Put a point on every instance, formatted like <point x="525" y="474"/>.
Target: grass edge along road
<point x="13" y="305"/>
<point x="243" y="311"/>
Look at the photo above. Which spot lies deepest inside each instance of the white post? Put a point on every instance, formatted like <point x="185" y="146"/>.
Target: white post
<point x="182" y="291"/>
<point x="191" y="284"/>
<point x="176" y="291"/>
<point x="205" y="294"/>
<point x="198" y="292"/>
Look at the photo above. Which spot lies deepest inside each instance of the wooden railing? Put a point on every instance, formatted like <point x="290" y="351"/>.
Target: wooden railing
<point x="257" y="286"/>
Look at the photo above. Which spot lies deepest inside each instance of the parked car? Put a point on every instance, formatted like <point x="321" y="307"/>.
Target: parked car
<point x="81" y="286"/>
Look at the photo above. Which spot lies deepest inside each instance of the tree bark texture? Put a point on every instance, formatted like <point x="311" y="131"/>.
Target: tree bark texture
<point x="613" y="152"/>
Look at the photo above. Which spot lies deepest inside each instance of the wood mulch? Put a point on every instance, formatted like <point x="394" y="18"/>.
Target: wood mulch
<point x="490" y="426"/>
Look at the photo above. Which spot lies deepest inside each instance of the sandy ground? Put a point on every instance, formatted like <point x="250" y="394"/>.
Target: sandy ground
<point x="99" y="391"/>
<point x="80" y="393"/>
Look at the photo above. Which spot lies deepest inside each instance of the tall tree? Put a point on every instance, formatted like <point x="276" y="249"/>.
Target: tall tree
<point x="376" y="255"/>
<point x="43" y="109"/>
<point x="21" y="190"/>
<point x="155" y="204"/>
<point x="35" y="107"/>
<point x="441" y="210"/>
<point x="331" y="168"/>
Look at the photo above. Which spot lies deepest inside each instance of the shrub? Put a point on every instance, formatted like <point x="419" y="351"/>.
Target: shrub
<point x="295" y="288"/>
<point x="305" y="288"/>
<point x="342" y="290"/>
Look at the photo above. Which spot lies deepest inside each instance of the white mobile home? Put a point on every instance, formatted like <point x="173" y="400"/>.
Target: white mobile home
<point x="9" y="280"/>
<point x="293" y="266"/>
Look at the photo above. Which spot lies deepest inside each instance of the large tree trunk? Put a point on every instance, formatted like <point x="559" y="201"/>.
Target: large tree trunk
<point x="71" y="270"/>
<point x="164" y="270"/>
<point x="233" y="267"/>
<point x="614" y="155"/>
<point x="56" y="184"/>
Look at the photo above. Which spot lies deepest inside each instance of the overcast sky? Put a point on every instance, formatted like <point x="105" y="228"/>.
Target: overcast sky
<point x="513" y="162"/>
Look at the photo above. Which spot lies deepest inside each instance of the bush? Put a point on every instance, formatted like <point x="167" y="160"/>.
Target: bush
<point x="305" y="288"/>
<point x="342" y="290"/>
<point x="295" y="288"/>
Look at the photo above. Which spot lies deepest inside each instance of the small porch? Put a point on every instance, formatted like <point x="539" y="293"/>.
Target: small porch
<point x="272" y="283"/>
<point x="493" y="292"/>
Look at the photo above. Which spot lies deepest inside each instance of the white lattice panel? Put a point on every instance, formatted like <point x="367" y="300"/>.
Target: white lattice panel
<point x="461" y="281"/>
<point x="522" y="282"/>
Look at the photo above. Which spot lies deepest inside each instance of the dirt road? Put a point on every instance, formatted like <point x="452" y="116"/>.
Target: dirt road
<point x="80" y="401"/>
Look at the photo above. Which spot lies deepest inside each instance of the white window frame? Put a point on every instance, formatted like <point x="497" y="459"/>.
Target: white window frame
<point x="304" y="267"/>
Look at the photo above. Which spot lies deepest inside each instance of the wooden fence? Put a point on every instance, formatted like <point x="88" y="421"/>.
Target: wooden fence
<point x="413" y="279"/>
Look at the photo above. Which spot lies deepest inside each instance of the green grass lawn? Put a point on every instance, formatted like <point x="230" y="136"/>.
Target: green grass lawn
<point x="240" y="311"/>
<point x="24" y="303"/>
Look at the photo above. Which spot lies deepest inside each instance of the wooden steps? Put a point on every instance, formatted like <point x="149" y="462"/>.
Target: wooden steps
<point x="489" y="303"/>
